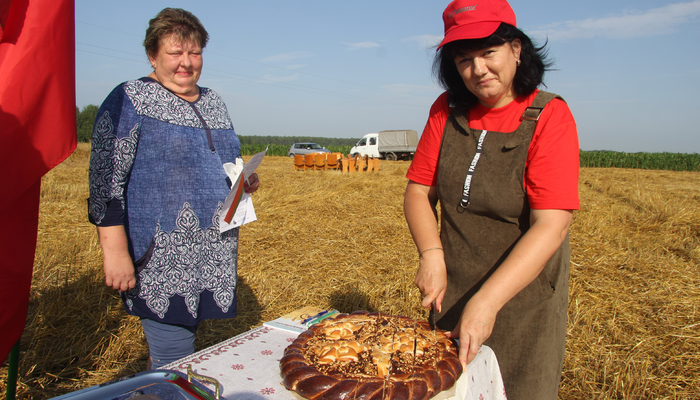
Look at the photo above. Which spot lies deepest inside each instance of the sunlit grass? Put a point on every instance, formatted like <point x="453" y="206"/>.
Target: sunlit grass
<point x="338" y="240"/>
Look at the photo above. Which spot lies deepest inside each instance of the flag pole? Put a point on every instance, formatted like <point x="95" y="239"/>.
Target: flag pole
<point x="12" y="373"/>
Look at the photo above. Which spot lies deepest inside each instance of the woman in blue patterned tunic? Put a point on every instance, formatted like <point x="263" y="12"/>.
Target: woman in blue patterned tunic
<point x="157" y="187"/>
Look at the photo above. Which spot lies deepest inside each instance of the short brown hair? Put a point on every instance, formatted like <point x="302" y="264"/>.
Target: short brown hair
<point x="181" y="24"/>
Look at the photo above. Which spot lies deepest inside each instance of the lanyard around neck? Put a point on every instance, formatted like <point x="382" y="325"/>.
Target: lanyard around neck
<point x="206" y="127"/>
<point x="468" y="181"/>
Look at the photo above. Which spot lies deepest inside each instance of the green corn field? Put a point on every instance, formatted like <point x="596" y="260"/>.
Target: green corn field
<point x="590" y="159"/>
<point x="657" y="161"/>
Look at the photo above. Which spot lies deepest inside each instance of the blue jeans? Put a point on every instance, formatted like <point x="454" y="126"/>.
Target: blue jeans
<point x="167" y="343"/>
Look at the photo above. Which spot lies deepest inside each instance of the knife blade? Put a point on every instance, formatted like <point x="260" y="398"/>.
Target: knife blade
<point x="415" y="344"/>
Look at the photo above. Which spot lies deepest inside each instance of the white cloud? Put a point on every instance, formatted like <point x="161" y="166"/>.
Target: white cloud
<point x="295" y="66"/>
<point x="284" y="57"/>
<point x="273" y="79"/>
<point x="361" y="45"/>
<point x="654" y="22"/>
<point x="424" y="41"/>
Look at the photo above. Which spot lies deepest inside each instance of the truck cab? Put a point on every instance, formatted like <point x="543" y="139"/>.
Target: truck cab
<point x="391" y="145"/>
<point x="367" y="146"/>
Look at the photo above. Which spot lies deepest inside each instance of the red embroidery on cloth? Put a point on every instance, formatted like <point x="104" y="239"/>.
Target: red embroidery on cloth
<point x="199" y="358"/>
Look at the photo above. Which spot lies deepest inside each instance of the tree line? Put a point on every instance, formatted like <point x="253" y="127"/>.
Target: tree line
<point x="278" y="145"/>
<point x="85" y="119"/>
<point x="288" y="140"/>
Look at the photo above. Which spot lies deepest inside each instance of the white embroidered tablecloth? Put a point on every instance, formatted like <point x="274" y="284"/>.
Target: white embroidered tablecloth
<point x="247" y="366"/>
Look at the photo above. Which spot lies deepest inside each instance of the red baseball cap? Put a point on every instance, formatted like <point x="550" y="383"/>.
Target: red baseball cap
<point x="475" y="19"/>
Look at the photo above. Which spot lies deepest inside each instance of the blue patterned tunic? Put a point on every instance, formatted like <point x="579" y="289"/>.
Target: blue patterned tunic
<point x="156" y="167"/>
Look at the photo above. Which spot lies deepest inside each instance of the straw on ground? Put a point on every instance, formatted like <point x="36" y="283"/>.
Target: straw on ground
<point x="340" y="240"/>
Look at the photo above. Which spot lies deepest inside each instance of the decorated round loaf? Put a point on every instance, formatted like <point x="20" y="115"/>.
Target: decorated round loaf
<point x="370" y="356"/>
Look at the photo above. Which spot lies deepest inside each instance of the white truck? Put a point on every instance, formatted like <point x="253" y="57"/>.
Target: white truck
<point x="390" y="145"/>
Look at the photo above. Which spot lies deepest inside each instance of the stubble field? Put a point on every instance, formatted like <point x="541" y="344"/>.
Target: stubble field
<point x="340" y="240"/>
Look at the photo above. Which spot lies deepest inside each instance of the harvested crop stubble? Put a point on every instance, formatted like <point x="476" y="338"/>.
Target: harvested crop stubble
<point x="338" y="240"/>
<point x="633" y="318"/>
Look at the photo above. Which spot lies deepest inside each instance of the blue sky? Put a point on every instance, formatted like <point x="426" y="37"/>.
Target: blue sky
<point x="629" y="70"/>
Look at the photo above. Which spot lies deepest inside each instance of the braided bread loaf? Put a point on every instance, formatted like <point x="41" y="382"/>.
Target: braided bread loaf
<point x="373" y="356"/>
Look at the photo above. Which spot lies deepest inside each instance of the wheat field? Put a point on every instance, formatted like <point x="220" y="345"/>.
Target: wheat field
<point x="340" y="240"/>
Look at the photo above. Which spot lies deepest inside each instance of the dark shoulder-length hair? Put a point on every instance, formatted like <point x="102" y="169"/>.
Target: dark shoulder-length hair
<point x="181" y="24"/>
<point x="529" y="75"/>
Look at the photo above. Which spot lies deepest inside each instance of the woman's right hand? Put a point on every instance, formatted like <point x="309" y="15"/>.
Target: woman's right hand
<point x="421" y="217"/>
<point x="118" y="266"/>
<point x="119" y="272"/>
<point x="431" y="278"/>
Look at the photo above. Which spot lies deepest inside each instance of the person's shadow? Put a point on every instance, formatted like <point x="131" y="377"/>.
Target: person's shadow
<point x="80" y="325"/>
<point x="351" y="299"/>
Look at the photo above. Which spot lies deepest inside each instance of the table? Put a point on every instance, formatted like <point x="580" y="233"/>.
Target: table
<point x="247" y="366"/>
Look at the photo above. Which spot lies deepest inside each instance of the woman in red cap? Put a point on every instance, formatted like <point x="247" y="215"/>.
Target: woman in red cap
<point x="502" y="159"/>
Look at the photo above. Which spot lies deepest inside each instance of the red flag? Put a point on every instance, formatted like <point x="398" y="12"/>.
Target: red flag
<point x="37" y="132"/>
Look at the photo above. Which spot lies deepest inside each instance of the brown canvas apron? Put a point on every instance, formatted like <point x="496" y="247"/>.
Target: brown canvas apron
<point x="529" y="334"/>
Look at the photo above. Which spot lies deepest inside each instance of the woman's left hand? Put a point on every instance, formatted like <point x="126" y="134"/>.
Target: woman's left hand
<point x="251" y="185"/>
<point x="474" y="327"/>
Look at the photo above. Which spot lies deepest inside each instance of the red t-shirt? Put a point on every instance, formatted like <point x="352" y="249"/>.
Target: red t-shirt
<point x="552" y="166"/>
